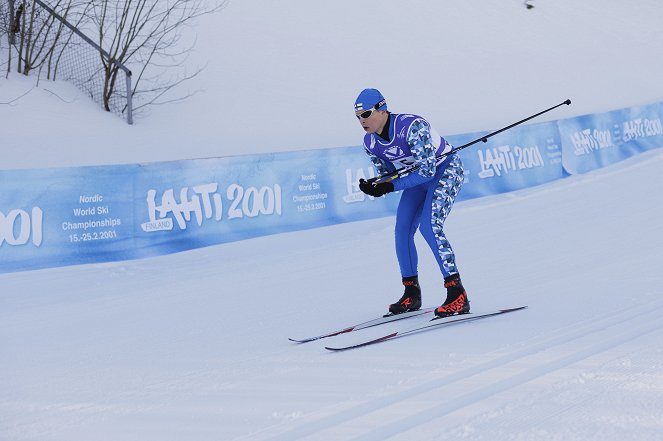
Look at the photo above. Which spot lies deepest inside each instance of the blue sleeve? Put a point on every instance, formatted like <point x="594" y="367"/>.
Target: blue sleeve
<point x="423" y="151"/>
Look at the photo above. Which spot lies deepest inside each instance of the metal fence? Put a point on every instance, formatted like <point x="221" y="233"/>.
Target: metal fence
<point x="68" y="54"/>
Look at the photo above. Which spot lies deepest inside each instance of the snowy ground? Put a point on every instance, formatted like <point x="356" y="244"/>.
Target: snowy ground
<point x="194" y="346"/>
<point x="284" y="76"/>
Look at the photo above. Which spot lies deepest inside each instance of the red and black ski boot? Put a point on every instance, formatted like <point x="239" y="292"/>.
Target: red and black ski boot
<point x="411" y="300"/>
<point x="457" y="301"/>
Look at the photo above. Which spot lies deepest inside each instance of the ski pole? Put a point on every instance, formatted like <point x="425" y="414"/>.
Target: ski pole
<point x="404" y="171"/>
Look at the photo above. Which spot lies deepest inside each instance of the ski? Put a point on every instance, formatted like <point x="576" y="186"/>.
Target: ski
<point x="368" y="324"/>
<point x="433" y="323"/>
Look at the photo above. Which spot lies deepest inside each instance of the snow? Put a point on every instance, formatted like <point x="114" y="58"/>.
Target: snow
<point x="193" y="346"/>
<point x="283" y="77"/>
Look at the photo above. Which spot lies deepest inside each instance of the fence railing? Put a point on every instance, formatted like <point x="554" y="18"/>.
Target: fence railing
<point x="59" y="50"/>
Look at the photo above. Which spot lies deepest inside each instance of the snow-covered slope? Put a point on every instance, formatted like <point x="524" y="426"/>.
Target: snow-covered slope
<point x="284" y="76"/>
<point x="193" y="346"/>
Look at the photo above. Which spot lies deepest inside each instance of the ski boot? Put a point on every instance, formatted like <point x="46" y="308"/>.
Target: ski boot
<point x="411" y="300"/>
<point x="457" y="301"/>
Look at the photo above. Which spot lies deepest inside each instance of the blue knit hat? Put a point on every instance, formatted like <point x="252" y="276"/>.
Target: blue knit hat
<point x="369" y="98"/>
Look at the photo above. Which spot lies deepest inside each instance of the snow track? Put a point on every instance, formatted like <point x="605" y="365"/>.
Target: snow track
<point x="147" y="350"/>
<point x="467" y="392"/>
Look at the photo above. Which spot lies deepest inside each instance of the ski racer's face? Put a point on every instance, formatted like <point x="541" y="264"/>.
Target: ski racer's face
<point x="372" y="121"/>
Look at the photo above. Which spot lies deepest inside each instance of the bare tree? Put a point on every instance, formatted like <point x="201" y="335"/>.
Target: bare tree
<point x="7" y="13"/>
<point x="34" y="34"/>
<point x="150" y="37"/>
<point x="7" y="27"/>
<point x="75" y="12"/>
<point x="147" y="36"/>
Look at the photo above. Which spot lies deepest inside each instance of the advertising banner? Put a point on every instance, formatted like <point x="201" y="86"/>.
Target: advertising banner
<point x="77" y="215"/>
<point x="598" y="140"/>
<point x="67" y="216"/>
<point x="523" y="157"/>
<point x="56" y="217"/>
<point x="189" y="204"/>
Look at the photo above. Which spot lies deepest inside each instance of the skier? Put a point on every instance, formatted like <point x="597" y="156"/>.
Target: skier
<point x="402" y="140"/>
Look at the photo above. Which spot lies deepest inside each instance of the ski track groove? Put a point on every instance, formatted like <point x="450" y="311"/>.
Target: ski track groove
<point x="563" y="336"/>
<point x="425" y="417"/>
<point x="533" y="419"/>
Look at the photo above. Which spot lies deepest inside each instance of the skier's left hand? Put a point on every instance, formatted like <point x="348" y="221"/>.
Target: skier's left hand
<point x="376" y="190"/>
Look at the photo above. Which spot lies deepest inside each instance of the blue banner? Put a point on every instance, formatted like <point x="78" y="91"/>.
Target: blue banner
<point x="523" y="157"/>
<point x="94" y="214"/>
<point x="56" y="217"/>
<point x="594" y="141"/>
<point x="189" y="204"/>
<point x="68" y="216"/>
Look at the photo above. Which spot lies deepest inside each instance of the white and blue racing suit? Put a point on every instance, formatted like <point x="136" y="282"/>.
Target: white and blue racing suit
<point x="428" y="193"/>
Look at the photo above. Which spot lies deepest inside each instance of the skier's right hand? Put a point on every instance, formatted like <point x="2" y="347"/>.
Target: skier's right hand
<point x="376" y="190"/>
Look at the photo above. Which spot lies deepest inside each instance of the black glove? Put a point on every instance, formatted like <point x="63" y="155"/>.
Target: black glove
<point x="376" y="190"/>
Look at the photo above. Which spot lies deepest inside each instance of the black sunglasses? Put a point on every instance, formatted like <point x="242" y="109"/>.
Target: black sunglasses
<point x="369" y="112"/>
